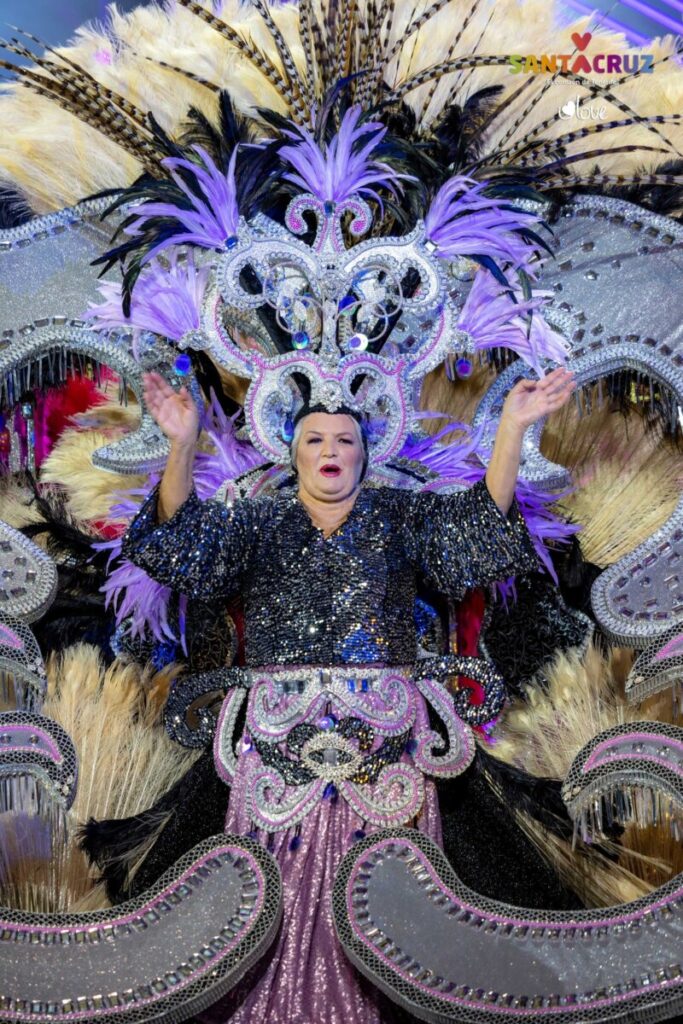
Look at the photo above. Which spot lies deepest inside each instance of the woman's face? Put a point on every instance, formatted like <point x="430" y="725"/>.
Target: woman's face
<point x="329" y="458"/>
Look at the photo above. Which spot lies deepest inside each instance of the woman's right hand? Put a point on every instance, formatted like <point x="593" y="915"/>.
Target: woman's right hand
<point x="174" y="411"/>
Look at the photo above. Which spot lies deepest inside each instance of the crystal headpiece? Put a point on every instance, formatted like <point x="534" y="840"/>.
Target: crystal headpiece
<point x="317" y="307"/>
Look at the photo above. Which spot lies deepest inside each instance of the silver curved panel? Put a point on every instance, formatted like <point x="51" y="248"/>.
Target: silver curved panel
<point x="446" y="954"/>
<point x="163" y="956"/>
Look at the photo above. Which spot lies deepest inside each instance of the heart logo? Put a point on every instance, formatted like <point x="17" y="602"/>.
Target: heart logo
<point x="568" y="109"/>
<point x="581" y="42"/>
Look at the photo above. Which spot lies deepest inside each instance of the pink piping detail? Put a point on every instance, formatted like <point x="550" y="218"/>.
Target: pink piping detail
<point x="81" y="1014"/>
<point x="631" y="737"/>
<point x="459" y="1001"/>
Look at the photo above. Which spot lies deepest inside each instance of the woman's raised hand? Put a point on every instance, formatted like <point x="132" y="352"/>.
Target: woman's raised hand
<point x="529" y="400"/>
<point x="174" y="411"/>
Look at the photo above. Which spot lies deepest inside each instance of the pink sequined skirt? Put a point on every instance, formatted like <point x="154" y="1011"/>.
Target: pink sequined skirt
<point x="309" y="825"/>
<point x="306" y="978"/>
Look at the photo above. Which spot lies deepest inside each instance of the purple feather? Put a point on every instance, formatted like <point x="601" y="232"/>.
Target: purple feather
<point x="133" y="593"/>
<point x="210" y="221"/>
<point x="494" y="321"/>
<point x="166" y="301"/>
<point x="463" y="222"/>
<point x="232" y="456"/>
<point x="343" y="167"/>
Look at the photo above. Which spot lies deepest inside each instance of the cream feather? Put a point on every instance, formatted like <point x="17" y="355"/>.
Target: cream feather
<point x="126" y="762"/>
<point x="543" y="732"/>
<point x="124" y="55"/>
<point x="91" y="492"/>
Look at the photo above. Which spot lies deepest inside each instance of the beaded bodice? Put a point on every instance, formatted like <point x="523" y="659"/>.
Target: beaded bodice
<point x="348" y="598"/>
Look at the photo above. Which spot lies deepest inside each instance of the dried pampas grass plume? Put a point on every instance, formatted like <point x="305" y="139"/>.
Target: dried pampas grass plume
<point x="126" y="762"/>
<point x="544" y="731"/>
<point x="627" y="478"/>
<point x="456" y="399"/>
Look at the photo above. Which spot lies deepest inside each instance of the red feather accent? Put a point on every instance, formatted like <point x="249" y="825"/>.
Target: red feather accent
<point x="470" y="614"/>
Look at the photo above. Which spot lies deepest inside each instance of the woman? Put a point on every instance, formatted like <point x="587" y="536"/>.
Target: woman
<point x="334" y="739"/>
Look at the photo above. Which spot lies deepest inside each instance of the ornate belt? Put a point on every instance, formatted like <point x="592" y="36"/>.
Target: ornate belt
<point x="357" y="687"/>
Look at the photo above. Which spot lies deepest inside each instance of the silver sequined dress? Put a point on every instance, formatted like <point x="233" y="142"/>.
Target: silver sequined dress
<point x="337" y="739"/>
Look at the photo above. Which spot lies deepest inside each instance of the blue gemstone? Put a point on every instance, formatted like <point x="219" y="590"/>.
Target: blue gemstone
<point x="295" y="843"/>
<point x="300" y="339"/>
<point x="411" y="746"/>
<point x="364" y="685"/>
<point x="231" y="242"/>
<point x="330" y="791"/>
<point x="346" y="304"/>
<point x="329" y="208"/>
<point x="351" y="684"/>
<point x="327" y="723"/>
<point x="358" y="343"/>
<point x="359" y="834"/>
<point x="463" y="367"/>
<point x="287" y="431"/>
<point x="182" y="365"/>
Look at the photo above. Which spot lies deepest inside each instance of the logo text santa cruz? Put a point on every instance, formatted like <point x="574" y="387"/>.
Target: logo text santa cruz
<point x="602" y="63"/>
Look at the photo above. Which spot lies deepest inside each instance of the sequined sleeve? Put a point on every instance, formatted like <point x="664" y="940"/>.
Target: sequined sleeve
<point x="464" y="540"/>
<point x="200" y="551"/>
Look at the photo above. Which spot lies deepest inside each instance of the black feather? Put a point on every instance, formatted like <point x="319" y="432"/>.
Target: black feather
<point x="456" y="132"/>
<point x="14" y="208"/>
<point x="193" y="809"/>
<point x="536" y="796"/>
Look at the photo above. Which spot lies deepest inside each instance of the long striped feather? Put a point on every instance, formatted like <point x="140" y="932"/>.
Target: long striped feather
<point x="414" y="27"/>
<point x="599" y="179"/>
<point x="191" y="75"/>
<point x="444" y="67"/>
<point x="305" y="33"/>
<point x="460" y="79"/>
<point x="383" y="21"/>
<point x="114" y="97"/>
<point x="113" y="126"/>
<point x="62" y="84"/>
<point x="259" y="60"/>
<point x="322" y="55"/>
<point x="605" y="92"/>
<point x="451" y="51"/>
<point x="386" y="23"/>
<point x="594" y="89"/>
<point x="86" y="90"/>
<point x="367" y="63"/>
<point x="546" y="146"/>
<point x="591" y="154"/>
<point x="347" y="21"/>
<point x="510" y="153"/>
<point x="290" y="69"/>
<point x="536" y="98"/>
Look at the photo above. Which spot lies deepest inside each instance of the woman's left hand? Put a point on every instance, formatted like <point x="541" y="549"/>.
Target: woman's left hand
<point x="530" y="400"/>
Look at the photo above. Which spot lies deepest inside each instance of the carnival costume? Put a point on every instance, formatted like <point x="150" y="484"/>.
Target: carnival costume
<point x="329" y="226"/>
